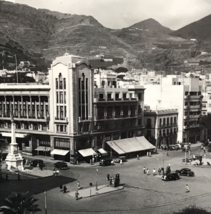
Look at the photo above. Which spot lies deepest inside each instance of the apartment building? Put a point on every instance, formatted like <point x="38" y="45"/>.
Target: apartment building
<point x="161" y="126"/>
<point x="71" y="118"/>
<point x="185" y="95"/>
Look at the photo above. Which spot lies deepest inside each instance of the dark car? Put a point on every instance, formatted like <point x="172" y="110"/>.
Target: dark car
<point x="37" y="162"/>
<point x="171" y="176"/>
<point x="123" y="158"/>
<point x="106" y="162"/>
<point x="61" y="165"/>
<point x="185" y="171"/>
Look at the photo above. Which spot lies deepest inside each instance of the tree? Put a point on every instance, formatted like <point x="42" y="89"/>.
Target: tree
<point x="20" y="203"/>
<point x="192" y="210"/>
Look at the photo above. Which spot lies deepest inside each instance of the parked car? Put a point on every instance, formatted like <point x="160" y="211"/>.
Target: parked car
<point x="123" y="158"/>
<point x="185" y="171"/>
<point x="171" y="176"/>
<point x="37" y="162"/>
<point x="187" y="160"/>
<point x="61" y="165"/>
<point x="174" y="147"/>
<point x="106" y="162"/>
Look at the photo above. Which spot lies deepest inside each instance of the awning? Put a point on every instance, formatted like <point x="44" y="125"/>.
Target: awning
<point x="145" y="142"/>
<point x="43" y="148"/>
<point x="59" y="152"/>
<point x="102" y="151"/>
<point x="87" y="152"/>
<point x="129" y="145"/>
<point x="7" y="134"/>
<point x="116" y="148"/>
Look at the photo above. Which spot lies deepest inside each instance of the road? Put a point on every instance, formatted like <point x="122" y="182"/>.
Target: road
<point x="142" y="193"/>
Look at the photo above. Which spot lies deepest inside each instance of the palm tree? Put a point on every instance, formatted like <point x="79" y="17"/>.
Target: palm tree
<point x="20" y="203"/>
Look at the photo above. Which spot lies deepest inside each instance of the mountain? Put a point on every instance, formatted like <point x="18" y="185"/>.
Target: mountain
<point x="146" y="34"/>
<point x="152" y="25"/>
<point x="199" y="30"/>
<point x="39" y="35"/>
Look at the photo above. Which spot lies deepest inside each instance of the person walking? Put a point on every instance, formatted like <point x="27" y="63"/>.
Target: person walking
<point x="64" y="189"/>
<point x="154" y="172"/>
<point x="147" y="171"/>
<point x="159" y="171"/>
<point x="108" y="177"/>
<point x="144" y="170"/>
<point x="187" y="188"/>
<point x="78" y="185"/>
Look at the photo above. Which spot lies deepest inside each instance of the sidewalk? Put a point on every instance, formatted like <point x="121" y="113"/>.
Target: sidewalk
<point x="90" y="192"/>
<point x="36" y="172"/>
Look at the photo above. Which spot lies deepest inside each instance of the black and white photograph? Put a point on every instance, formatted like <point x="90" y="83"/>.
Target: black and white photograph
<point x="105" y="106"/>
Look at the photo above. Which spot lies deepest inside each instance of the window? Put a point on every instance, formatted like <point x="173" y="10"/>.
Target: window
<point x="175" y="120"/>
<point x="57" y="83"/>
<point x="64" y="97"/>
<point x="124" y="96"/>
<point x="101" y="96"/>
<point x="61" y="97"/>
<point x="164" y="121"/>
<point x="117" y="96"/>
<point x="167" y="121"/>
<point x="61" y="112"/>
<point x="64" y="83"/>
<point x="109" y="95"/>
<point x="149" y="123"/>
<point x="171" y="120"/>
<point x="140" y="96"/>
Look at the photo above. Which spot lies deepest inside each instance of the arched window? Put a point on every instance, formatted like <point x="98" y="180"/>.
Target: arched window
<point x="164" y="121"/>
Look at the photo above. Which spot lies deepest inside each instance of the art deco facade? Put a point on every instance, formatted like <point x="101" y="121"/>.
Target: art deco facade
<point x="70" y="113"/>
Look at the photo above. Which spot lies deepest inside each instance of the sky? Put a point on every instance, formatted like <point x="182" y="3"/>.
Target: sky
<point x="118" y="14"/>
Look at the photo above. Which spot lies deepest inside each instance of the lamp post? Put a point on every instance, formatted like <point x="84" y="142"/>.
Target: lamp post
<point x="96" y="179"/>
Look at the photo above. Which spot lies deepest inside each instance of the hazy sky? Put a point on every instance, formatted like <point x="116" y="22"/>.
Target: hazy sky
<point x="123" y="13"/>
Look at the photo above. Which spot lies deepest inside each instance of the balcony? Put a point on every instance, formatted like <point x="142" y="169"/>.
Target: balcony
<point x="195" y="97"/>
<point x="195" y="106"/>
<point x="194" y="116"/>
<point x="187" y="97"/>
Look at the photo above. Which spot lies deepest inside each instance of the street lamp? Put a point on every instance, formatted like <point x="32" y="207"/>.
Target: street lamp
<point x="96" y="179"/>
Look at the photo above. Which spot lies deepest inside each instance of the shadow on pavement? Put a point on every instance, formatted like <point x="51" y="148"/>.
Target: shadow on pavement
<point x="34" y="186"/>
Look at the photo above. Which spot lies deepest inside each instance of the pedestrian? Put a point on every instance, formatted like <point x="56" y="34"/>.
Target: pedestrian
<point x="78" y="185"/>
<point x="159" y="171"/>
<point x="110" y="181"/>
<point x="187" y="188"/>
<point x="54" y="171"/>
<point x="162" y="169"/>
<point x="19" y="177"/>
<point x="137" y="157"/>
<point x="121" y="161"/>
<point x="64" y="189"/>
<point x="41" y="166"/>
<point x="189" y="151"/>
<point x="144" y="170"/>
<point x="61" y="188"/>
<point x="76" y="195"/>
<point x="93" y="159"/>
<point x="108" y="177"/>
<point x="57" y="172"/>
<point x="147" y="171"/>
<point x="154" y="172"/>
<point x="204" y="149"/>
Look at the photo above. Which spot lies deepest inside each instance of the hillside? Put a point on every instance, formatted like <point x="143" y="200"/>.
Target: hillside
<point x="39" y="35"/>
<point x="199" y="30"/>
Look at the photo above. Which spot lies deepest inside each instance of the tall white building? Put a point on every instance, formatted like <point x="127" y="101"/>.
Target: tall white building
<point x="183" y="94"/>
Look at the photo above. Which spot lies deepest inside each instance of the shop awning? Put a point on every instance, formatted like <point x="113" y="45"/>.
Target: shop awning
<point x="102" y="151"/>
<point x="129" y="145"/>
<point x="43" y="149"/>
<point x="7" y="134"/>
<point x="145" y="143"/>
<point x="59" y="152"/>
<point x="116" y="148"/>
<point x="87" y="152"/>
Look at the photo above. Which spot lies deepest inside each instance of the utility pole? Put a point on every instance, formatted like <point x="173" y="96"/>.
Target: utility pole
<point x="45" y="193"/>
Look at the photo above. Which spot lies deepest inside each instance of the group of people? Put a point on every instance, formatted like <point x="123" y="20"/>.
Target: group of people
<point x="154" y="172"/>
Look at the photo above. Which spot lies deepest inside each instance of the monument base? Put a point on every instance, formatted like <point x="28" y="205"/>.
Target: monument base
<point x="14" y="161"/>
